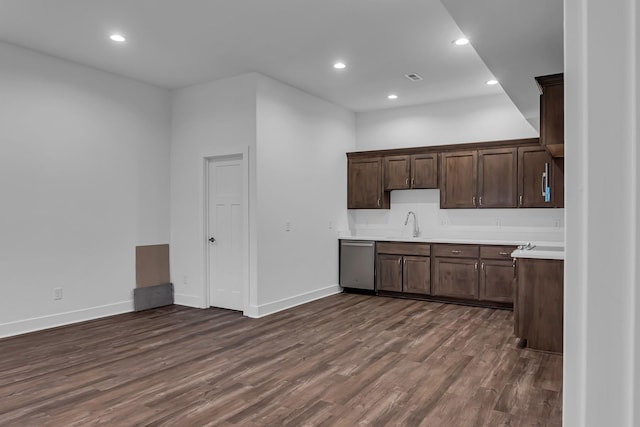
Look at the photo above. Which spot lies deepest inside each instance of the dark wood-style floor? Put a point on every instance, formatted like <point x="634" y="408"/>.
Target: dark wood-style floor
<point x="345" y="360"/>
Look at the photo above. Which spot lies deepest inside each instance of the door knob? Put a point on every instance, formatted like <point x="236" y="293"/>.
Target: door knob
<point x="212" y="239"/>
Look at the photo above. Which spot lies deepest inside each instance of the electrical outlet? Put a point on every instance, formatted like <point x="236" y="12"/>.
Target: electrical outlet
<point x="498" y="222"/>
<point x="185" y="279"/>
<point x="57" y="294"/>
<point x="287" y="226"/>
<point x="330" y="225"/>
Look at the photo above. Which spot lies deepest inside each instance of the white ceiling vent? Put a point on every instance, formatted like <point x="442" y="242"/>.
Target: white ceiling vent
<point x="413" y="77"/>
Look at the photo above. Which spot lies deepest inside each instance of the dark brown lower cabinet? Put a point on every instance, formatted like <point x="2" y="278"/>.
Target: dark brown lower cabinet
<point x="403" y="267"/>
<point x="389" y="273"/>
<point x="497" y="280"/>
<point x="455" y="277"/>
<point x="538" y="307"/>
<point x="416" y="275"/>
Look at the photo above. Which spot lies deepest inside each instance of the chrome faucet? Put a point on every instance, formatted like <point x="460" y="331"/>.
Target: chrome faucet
<point x="416" y="231"/>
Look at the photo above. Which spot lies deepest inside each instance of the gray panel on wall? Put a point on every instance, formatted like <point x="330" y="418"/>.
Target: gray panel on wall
<point x="152" y="296"/>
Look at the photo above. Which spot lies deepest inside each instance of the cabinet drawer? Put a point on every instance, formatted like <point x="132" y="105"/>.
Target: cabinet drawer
<point x="496" y="252"/>
<point x="402" y="248"/>
<point x="456" y="251"/>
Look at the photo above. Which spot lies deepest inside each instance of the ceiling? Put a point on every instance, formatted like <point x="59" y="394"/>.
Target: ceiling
<point x="175" y="43"/>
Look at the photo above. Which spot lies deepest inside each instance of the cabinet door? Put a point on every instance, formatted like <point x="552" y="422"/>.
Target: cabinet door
<point x="531" y="167"/>
<point x="552" y="113"/>
<point x="416" y="275"/>
<point x="364" y="184"/>
<point x="455" y="277"/>
<point x="458" y="179"/>
<point x="389" y="273"/>
<point x="497" y="280"/>
<point x="498" y="178"/>
<point x="424" y="171"/>
<point x="396" y="172"/>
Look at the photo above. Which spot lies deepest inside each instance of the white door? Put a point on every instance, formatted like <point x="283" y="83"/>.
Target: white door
<point x="225" y="233"/>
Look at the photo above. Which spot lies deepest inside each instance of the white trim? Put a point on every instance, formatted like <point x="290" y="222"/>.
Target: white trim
<point x="188" y="300"/>
<point x="286" y="303"/>
<point x="60" y="319"/>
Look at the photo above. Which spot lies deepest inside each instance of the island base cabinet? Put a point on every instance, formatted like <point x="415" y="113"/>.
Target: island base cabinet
<point x="538" y="308"/>
<point x="455" y="278"/>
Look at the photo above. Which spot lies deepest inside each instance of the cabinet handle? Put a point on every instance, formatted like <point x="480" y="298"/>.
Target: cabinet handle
<point x="476" y="266"/>
<point x="521" y="200"/>
<point x="480" y="200"/>
<point x="483" y="266"/>
<point x="406" y="181"/>
<point x="404" y="261"/>
<point x="378" y="202"/>
<point x="474" y="200"/>
<point x="504" y="253"/>
<point x="413" y="180"/>
<point x="456" y="252"/>
<point x="399" y="261"/>
<point x="542" y="183"/>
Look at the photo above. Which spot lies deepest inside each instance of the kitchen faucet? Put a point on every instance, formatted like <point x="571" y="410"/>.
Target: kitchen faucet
<point x="416" y="231"/>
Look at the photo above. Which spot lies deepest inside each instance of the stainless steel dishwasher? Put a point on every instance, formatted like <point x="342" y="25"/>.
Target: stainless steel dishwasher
<point x="357" y="264"/>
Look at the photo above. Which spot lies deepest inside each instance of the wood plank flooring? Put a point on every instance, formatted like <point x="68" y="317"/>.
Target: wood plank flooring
<point x="346" y="360"/>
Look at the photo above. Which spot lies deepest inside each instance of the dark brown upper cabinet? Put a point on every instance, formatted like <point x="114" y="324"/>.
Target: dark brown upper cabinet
<point x="497" y="178"/>
<point x="458" y="179"/>
<point x="411" y="171"/>
<point x="552" y="113"/>
<point x="537" y="170"/>
<point x="365" y="184"/>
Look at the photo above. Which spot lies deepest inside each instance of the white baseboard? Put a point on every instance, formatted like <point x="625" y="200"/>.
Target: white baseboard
<point x="60" y="319"/>
<point x="188" y="300"/>
<point x="256" y="311"/>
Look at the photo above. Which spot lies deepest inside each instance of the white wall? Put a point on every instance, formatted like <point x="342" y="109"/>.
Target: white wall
<point x="483" y="118"/>
<point x="301" y="178"/>
<point x="477" y="119"/>
<point x="84" y="177"/>
<point x="211" y="119"/>
<point x="602" y="332"/>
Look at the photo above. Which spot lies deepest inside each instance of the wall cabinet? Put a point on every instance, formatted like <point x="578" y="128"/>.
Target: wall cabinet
<point x="411" y="171"/>
<point x="500" y="174"/>
<point x="497" y="274"/>
<point x="539" y="300"/>
<point x="458" y="178"/>
<point x="482" y="178"/>
<point x="365" y="184"/>
<point x="552" y="113"/>
<point x="536" y="170"/>
<point x="403" y="268"/>
<point x="498" y="178"/>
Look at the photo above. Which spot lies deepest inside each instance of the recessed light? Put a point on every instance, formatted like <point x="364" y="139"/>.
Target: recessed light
<point x="461" y="41"/>
<point x="339" y="65"/>
<point x="492" y="82"/>
<point x="117" y="38"/>
<point x="392" y="96"/>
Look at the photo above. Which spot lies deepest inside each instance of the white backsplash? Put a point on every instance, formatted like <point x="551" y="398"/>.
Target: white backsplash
<point x="544" y="224"/>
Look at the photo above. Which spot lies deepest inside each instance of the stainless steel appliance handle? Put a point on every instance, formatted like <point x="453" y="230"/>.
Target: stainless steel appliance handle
<point x="365" y="244"/>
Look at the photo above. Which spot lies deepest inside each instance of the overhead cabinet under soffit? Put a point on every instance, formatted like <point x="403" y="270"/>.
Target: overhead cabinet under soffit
<point x="499" y="174"/>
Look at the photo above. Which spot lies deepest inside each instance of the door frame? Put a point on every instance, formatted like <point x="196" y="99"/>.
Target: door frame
<point x="244" y="162"/>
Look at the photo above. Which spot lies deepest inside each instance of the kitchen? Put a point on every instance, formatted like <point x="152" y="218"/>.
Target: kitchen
<point x="231" y="115"/>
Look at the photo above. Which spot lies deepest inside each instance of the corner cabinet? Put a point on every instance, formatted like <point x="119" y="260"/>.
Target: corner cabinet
<point x="537" y="170"/>
<point x="365" y="176"/>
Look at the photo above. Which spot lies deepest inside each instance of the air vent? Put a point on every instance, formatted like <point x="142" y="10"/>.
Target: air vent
<point x="413" y="77"/>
